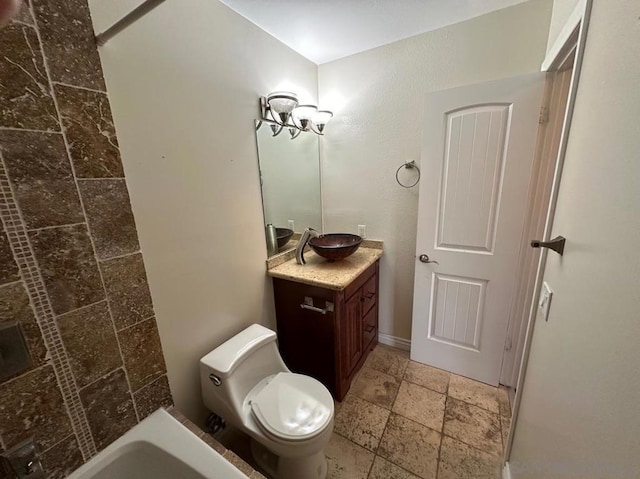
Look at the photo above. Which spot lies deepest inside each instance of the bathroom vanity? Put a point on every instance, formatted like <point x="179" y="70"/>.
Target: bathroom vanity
<point x="327" y="315"/>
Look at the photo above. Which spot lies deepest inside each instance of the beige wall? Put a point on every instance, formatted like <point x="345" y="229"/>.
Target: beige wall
<point x="378" y="97"/>
<point x="579" y="414"/>
<point x="562" y="9"/>
<point x="184" y="84"/>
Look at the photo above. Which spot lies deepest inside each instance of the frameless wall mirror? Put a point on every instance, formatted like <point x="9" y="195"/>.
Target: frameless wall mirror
<point x="290" y="178"/>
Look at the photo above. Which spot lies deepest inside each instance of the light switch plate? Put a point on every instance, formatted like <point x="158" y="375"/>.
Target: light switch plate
<point x="362" y="231"/>
<point x="544" y="304"/>
<point x="291" y="225"/>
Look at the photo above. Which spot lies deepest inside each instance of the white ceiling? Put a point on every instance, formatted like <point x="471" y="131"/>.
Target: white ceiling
<point x="325" y="30"/>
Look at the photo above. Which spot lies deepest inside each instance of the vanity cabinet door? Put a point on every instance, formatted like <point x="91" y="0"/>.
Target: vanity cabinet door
<point x="353" y="329"/>
<point x="306" y="338"/>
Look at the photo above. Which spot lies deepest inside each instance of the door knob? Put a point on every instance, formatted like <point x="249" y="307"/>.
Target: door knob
<point x="556" y="244"/>
<point x="425" y="259"/>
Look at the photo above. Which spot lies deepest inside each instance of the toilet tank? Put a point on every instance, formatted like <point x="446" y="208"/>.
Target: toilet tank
<point x="239" y="363"/>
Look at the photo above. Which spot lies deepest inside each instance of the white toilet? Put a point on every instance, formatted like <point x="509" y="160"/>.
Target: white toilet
<point x="288" y="416"/>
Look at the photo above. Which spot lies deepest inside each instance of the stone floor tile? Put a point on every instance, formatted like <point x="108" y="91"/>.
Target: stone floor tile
<point x="474" y="392"/>
<point x="421" y="405"/>
<point x="388" y="360"/>
<point x="361" y="422"/>
<point x="383" y="469"/>
<point x="346" y="460"/>
<point x="426" y="376"/>
<point x="460" y="461"/>
<point x="376" y="387"/>
<point x="505" y="426"/>
<point x="474" y="426"/>
<point x="411" y="444"/>
<point x="503" y="401"/>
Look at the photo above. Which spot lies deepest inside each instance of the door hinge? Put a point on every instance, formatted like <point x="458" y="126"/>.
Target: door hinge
<point x="544" y="115"/>
<point x="508" y="344"/>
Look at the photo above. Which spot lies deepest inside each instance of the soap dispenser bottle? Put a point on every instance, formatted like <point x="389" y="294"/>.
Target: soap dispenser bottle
<point x="272" y="240"/>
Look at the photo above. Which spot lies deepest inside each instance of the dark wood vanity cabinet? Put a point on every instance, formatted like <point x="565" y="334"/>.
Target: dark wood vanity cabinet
<point x="326" y="333"/>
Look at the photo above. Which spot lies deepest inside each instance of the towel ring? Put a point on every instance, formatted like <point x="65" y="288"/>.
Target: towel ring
<point x="408" y="165"/>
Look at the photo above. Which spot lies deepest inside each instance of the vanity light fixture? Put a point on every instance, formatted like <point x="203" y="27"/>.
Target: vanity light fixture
<point x="281" y="110"/>
<point x="320" y="120"/>
<point x="280" y="104"/>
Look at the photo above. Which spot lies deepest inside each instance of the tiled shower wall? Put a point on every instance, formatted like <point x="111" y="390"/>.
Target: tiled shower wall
<point x="71" y="271"/>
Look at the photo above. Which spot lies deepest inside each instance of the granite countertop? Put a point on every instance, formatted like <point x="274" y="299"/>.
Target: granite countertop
<point x="319" y="272"/>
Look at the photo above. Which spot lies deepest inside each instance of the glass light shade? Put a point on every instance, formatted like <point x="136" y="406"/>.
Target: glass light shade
<point x="302" y="116"/>
<point x="282" y="104"/>
<point x="321" y="118"/>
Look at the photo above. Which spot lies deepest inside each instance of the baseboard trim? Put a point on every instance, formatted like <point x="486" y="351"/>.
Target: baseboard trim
<point x="506" y="472"/>
<point x="394" y="341"/>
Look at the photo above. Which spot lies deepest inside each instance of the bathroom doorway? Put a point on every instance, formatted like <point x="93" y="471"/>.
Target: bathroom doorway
<point x="489" y="193"/>
<point x="479" y="144"/>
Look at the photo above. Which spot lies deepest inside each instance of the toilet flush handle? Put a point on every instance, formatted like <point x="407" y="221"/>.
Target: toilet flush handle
<point x="215" y="379"/>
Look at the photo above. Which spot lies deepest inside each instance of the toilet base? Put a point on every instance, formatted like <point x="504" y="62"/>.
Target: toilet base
<point x="307" y="467"/>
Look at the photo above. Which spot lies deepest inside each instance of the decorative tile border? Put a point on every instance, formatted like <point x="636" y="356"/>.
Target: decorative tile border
<point x="25" y="258"/>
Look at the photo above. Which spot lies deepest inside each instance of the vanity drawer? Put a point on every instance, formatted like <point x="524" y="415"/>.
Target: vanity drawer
<point x="361" y="280"/>
<point x="369" y="327"/>
<point x="369" y="294"/>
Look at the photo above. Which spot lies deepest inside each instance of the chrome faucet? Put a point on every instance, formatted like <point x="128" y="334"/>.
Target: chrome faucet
<point x="306" y="236"/>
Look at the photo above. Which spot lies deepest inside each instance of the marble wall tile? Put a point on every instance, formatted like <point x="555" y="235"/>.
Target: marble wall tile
<point x="90" y="341"/>
<point x="15" y="306"/>
<point x="69" y="42"/>
<point x="25" y="96"/>
<point x="68" y="267"/>
<point x="127" y="290"/>
<point x="42" y="179"/>
<point x="142" y="353"/>
<point x="153" y="396"/>
<point x="62" y="459"/>
<point x="24" y="15"/>
<point x="110" y="218"/>
<point x="31" y="405"/>
<point x="86" y="118"/>
<point x="8" y="267"/>
<point x="41" y="168"/>
<point x="109" y="408"/>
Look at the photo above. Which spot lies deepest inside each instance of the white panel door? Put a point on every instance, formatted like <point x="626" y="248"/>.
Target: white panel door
<point x="477" y="159"/>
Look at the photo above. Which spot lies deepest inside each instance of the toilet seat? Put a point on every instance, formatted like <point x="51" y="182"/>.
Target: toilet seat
<point x="292" y="407"/>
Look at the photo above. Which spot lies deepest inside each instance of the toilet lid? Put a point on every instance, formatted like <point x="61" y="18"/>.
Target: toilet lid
<point x="293" y="406"/>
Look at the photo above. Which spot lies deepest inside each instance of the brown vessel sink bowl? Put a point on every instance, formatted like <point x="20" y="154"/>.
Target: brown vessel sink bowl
<point x="335" y="246"/>
<point x="283" y="235"/>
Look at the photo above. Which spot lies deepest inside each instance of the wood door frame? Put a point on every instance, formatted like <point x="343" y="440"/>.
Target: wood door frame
<point x="572" y="38"/>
